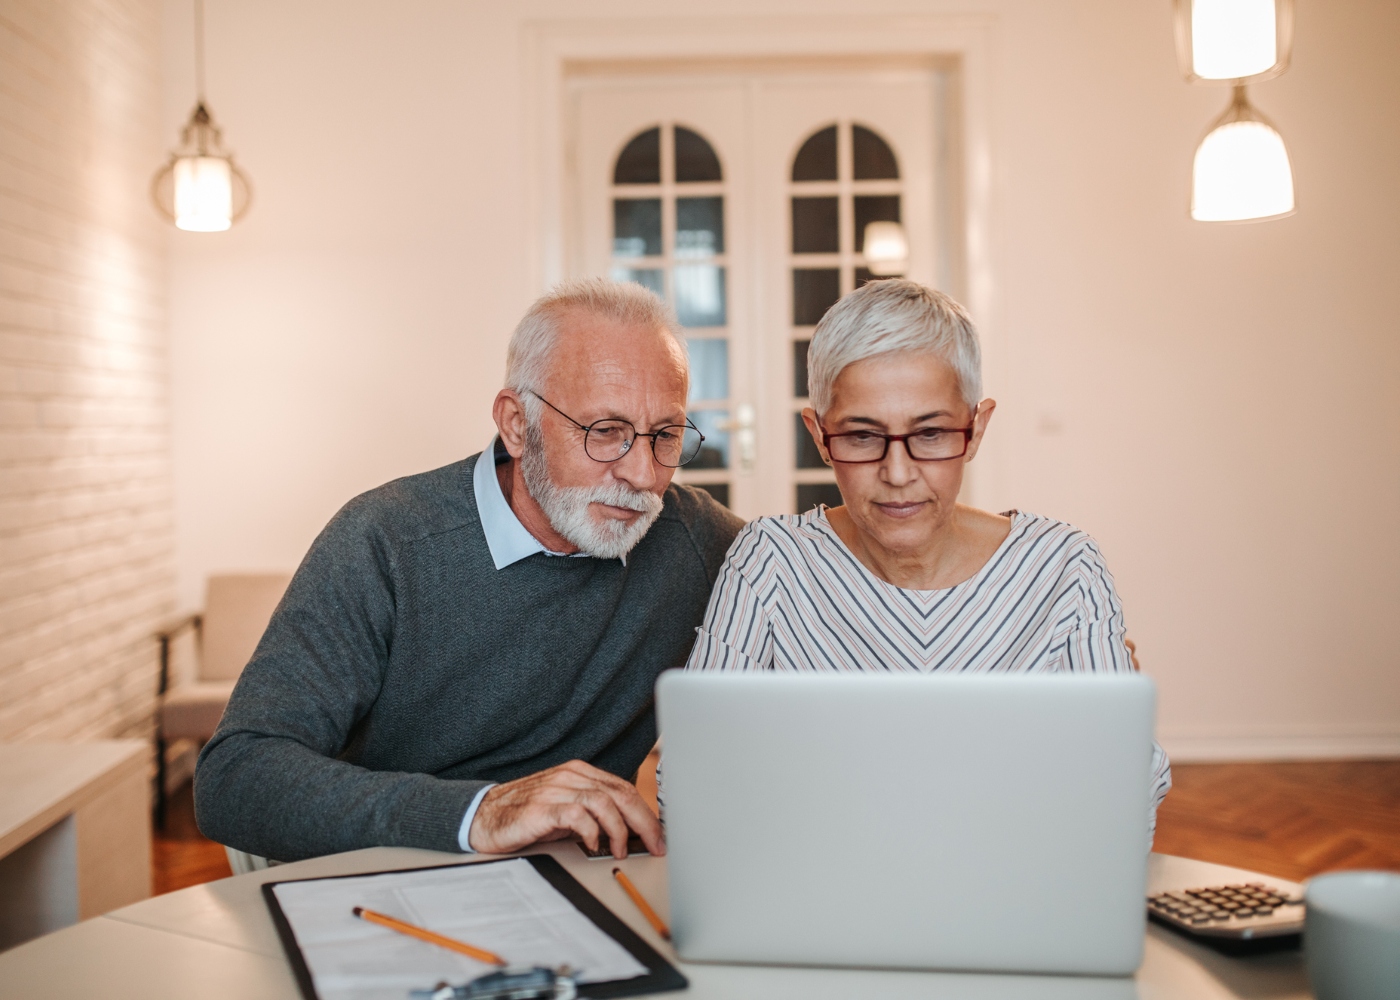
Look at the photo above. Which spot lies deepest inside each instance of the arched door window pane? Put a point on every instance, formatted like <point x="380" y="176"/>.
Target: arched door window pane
<point x="872" y="156"/>
<point x="669" y="236"/>
<point x="695" y="158"/>
<point x="816" y="160"/>
<point x="640" y="160"/>
<point x="844" y="177"/>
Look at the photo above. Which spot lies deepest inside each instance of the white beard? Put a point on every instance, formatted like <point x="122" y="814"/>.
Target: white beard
<point x="567" y="506"/>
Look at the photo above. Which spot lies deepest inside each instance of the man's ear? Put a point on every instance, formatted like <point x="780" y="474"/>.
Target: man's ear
<point x="809" y="417"/>
<point x="509" y="413"/>
<point x="979" y="427"/>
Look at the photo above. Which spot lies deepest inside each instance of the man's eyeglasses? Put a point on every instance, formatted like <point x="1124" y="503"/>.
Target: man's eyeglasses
<point x="609" y="440"/>
<point x="932" y="444"/>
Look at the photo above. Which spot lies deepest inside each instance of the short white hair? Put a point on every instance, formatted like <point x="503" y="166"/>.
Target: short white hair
<point x="624" y="302"/>
<point x="885" y="317"/>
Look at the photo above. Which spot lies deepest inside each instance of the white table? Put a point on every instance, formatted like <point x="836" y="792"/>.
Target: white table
<point x="75" y="833"/>
<point x="217" y="940"/>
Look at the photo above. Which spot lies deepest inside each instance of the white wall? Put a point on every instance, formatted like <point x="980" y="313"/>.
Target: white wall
<point x="86" y="514"/>
<point x="1217" y="404"/>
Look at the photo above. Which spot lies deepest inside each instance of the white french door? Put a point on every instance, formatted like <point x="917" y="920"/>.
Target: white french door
<point x="743" y="197"/>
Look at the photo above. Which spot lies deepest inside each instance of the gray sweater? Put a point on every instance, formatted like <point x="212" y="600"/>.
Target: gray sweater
<point x="402" y="671"/>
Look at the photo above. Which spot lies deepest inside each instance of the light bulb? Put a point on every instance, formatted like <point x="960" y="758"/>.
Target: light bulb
<point x="203" y="194"/>
<point x="1241" y="172"/>
<point x="1233" y="39"/>
<point x="886" y="248"/>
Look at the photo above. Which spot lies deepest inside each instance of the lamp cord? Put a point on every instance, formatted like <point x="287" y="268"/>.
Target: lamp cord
<point x="199" y="50"/>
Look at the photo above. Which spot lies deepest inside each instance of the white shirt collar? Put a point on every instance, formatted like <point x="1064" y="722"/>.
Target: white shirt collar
<point x="508" y="539"/>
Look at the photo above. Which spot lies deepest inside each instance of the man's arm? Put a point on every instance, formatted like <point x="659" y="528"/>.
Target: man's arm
<point x="269" y="782"/>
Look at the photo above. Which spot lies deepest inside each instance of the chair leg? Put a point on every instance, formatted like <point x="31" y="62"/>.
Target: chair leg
<point x="159" y="814"/>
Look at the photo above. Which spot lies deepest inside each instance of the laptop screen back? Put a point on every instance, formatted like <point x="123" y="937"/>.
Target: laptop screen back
<point x="951" y="822"/>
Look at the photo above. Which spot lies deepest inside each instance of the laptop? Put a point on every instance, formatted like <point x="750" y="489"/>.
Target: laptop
<point x="963" y="822"/>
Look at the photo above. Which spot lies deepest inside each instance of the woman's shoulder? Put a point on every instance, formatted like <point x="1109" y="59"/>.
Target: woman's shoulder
<point x="1039" y="540"/>
<point x="1031" y="525"/>
<point x="791" y="533"/>
<point x="789" y="528"/>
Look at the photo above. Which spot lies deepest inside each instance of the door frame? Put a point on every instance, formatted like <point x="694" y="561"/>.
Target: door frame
<point x="552" y="50"/>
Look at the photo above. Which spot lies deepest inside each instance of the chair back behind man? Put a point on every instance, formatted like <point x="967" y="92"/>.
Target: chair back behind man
<point x="237" y="608"/>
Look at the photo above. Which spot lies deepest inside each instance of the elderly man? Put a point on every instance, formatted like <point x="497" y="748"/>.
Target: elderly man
<point x="465" y="658"/>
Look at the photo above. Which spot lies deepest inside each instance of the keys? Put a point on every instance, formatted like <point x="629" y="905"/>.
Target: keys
<point x="1221" y="903"/>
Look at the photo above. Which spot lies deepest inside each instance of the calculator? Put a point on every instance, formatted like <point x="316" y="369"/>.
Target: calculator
<point x="634" y="847"/>
<point x="1225" y="915"/>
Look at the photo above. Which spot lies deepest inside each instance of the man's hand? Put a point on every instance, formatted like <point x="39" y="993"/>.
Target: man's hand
<point x="573" y="798"/>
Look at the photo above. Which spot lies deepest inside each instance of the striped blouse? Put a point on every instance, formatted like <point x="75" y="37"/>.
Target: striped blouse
<point x="792" y="597"/>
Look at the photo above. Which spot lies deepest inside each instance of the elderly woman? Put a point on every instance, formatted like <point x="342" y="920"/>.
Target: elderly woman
<point x="902" y="577"/>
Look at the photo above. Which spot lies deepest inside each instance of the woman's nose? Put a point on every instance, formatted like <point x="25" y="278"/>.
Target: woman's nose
<point x="898" y="467"/>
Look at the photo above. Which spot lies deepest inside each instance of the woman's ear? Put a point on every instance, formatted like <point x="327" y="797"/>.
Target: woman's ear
<point x="979" y="427"/>
<point x="814" y="428"/>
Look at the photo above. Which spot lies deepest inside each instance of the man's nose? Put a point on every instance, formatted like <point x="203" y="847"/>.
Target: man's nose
<point x="637" y="468"/>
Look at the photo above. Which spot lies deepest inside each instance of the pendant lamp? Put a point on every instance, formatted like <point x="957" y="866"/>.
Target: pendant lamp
<point x="1241" y="171"/>
<point x="200" y="189"/>
<point x="886" y="248"/>
<point x="1233" y="41"/>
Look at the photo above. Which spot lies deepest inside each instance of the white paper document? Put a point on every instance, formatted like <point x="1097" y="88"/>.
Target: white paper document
<point x="505" y="907"/>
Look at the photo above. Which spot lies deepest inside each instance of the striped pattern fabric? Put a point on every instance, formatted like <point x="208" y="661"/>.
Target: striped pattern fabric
<point x="792" y="597"/>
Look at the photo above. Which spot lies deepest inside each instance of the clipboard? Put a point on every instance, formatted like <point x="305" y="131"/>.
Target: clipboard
<point x="661" y="975"/>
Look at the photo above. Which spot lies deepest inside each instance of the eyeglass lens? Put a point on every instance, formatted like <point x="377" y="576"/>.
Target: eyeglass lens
<point x="928" y="445"/>
<point x="609" y="440"/>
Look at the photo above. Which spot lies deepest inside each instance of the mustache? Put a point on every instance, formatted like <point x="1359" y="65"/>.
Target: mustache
<point x="621" y="495"/>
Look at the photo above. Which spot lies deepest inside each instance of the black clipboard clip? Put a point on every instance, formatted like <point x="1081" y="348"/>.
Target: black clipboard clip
<point x="538" y="983"/>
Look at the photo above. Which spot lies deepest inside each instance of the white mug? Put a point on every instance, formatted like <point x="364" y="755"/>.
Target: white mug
<point x="1351" y="935"/>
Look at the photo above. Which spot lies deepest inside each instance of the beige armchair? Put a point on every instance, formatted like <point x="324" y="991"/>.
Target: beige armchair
<point x="237" y="607"/>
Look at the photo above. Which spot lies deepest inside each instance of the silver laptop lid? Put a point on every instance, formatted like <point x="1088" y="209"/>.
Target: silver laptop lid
<point x="951" y="822"/>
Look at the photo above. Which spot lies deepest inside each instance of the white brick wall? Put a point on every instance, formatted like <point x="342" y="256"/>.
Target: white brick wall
<point x="86" y="533"/>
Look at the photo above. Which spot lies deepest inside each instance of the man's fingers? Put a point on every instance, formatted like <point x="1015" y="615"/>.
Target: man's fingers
<point x="640" y="818"/>
<point x="634" y="811"/>
<point x="638" y="815"/>
<point x="575" y="817"/>
<point x="574" y="797"/>
<point x="609" y="817"/>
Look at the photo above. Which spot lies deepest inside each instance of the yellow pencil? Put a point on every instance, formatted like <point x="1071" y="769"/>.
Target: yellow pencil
<point x="642" y="904"/>
<point x="451" y="944"/>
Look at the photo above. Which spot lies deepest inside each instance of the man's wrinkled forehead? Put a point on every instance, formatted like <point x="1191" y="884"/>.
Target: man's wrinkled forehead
<point x="611" y="348"/>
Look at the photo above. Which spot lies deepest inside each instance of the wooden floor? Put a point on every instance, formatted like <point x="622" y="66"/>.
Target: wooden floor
<point x="180" y="855"/>
<point x="1291" y="820"/>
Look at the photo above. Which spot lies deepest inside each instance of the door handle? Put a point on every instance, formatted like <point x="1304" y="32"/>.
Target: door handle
<point x="745" y="436"/>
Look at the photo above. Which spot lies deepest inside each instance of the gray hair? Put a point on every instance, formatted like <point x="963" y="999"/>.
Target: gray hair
<point x="624" y="302"/>
<point x="884" y="317"/>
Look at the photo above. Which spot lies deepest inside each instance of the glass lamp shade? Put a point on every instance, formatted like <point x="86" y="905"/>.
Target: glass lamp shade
<point x="200" y="189"/>
<point x="203" y="194"/>
<point x="1233" y="40"/>
<point x="1241" y="171"/>
<point x="886" y="248"/>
